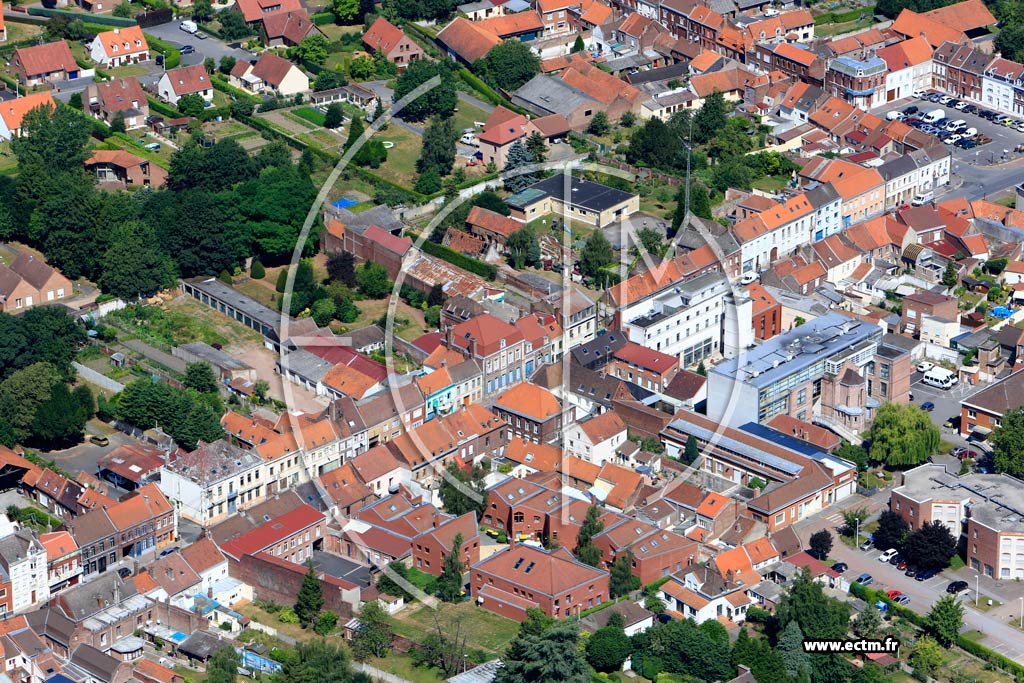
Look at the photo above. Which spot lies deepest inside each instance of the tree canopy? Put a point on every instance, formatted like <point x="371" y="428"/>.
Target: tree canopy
<point x="438" y="101"/>
<point x="930" y="547"/>
<point x="1008" y="443"/>
<point x="902" y="435"/>
<point x="550" y="657"/>
<point x="508" y="65"/>
<point x="891" y="532"/>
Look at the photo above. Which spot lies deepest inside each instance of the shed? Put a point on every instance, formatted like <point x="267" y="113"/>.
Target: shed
<point x="200" y="646"/>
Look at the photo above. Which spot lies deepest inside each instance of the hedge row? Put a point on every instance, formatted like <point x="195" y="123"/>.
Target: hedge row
<point x="172" y="56"/>
<point x="485" y="270"/>
<point x="163" y="108"/>
<point x="102" y="19"/>
<point x="323" y="18"/>
<point x="221" y="83"/>
<point x="99" y="130"/>
<point x="921" y="621"/>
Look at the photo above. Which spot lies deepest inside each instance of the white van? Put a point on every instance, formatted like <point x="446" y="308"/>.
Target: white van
<point x="921" y="199"/>
<point x="189" y="27"/>
<point x="933" y="116"/>
<point x="941" y="378"/>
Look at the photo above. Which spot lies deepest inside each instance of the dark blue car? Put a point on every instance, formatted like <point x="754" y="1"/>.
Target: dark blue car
<point x="928" y="406"/>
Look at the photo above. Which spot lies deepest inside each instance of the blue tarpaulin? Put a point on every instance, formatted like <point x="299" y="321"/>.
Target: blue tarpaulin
<point x="345" y="202"/>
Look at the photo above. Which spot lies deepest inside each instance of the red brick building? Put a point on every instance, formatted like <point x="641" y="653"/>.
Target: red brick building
<point x="656" y="553"/>
<point x="366" y="243"/>
<point x="388" y="39"/>
<point x="766" y="312"/>
<point x="291" y="537"/>
<point x="532" y="413"/>
<point x="510" y="582"/>
<point x="920" y="304"/>
<point x="644" y="367"/>
<point x="431" y="547"/>
<point x="983" y="412"/>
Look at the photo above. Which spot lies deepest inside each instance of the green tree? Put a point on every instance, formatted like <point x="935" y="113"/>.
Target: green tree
<point x="852" y="519"/>
<point x="372" y="280"/>
<point x="328" y="80"/>
<point x="949" y="276"/>
<point x="210" y="65"/>
<point x="537" y="146"/>
<point x="711" y="118"/>
<point x="518" y="157"/>
<point x="59" y="420"/>
<point x="535" y="623"/>
<point x="227" y="62"/>
<point x="334" y="116"/>
<point x="438" y="150"/>
<point x="326" y="622"/>
<point x="374" y="636"/>
<point x="523" y="248"/>
<point x="388" y="585"/>
<point x="1008" y="443"/>
<point x="791" y="646"/>
<point x="117" y="124"/>
<point x="902" y="435"/>
<point x="346" y="10"/>
<point x="257" y="271"/>
<point x="341" y="267"/>
<point x="429" y="181"/>
<point x="821" y="544"/>
<point x="650" y="241"/>
<point x="449" y="585"/>
<point x="930" y="547"/>
<point x="282" y="281"/>
<point x="854" y="453"/>
<point x="133" y="266"/>
<point x="868" y="624"/>
<point x="191" y="104"/>
<point x="926" y="657"/>
<point x="85" y="400"/>
<point x="508" y="65"/>
<point x="202" y="10"/>
<point x="233" y="25"/>
<point x="200" y="376"/>
<point x="818" y="615"/>
<point x="322" y="311"/>
<point x="551" y="657"/>
<point x="313" y="48"/>
<point x="691" y="451"/>
<point x="124" y="10"/>
<point x="223" y="666"/>
<point x="438" y="101"/>
<point x="462" y="492"/>
<point x="21" y="395"/>
<point x="310" y="599"/>
<point x="627" y="120"/>
<point x="607" y="649"/>
<point x="891" y="532"/>
<point x="586" y="550"/>
<point x="1010" y="41"/>
<point x="597" y="253"/>
<point x="599" y="124"/>
<point x="622" y="581"/>
<point x="653" y="603"/>
<point x="945" y="620"/>
<point x="578" y="45"/>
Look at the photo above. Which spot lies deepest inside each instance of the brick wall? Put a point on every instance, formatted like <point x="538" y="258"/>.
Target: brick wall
<point x="279" y="582"/>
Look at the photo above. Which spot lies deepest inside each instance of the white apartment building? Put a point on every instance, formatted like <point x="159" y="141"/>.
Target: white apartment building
<point x="214" y="481"/>
<point x="910" y="68"/>
<point x="774" y="233"/>
<point x="23" y="560"/>
<point x="692" y="320"/>
<point x="1002" y="87"/>
<point x="827" y="205"/>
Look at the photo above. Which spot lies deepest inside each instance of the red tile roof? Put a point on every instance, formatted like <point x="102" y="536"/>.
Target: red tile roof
<point x="492" y="221"/>
<point x="13" y="111"/>
<point x="254" y="10"/>
<point x="467" y="39"/>
<point x="383" y="35"/>
<point x="530" y="401"/>
<point x="46" y="58"/>
<point x="186" y="80"/>
<point x="274" y="531"/>
<point x="646" y="358"/>
<point x="547" y="573"/>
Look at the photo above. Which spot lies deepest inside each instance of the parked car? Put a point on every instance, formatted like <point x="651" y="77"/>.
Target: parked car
<point x="840" y="567"/>
<point x="967" y="144"/>
<point x="902" y="600"/>
<point x="124" y="572"/>
<point x="911" y="572"/>
<point x="911" y="110"/>
<point x="866" y="545"/>
<point x="956" y="587"/>
<point x="926" y="574"/>
<point x="960" y="106"/>
<point x="921" y="94"/>
<point x="895" y="560"/>
<point x="928" y="406"/>
<point x="864" y="579"/>
<point x="901" y="565"/>
<point x="888" y="555"/>
<point x="893" y="594"/>
<point x="925" y="366"/>
<point x="186" y="49"/>
<point x="99" y="440"/>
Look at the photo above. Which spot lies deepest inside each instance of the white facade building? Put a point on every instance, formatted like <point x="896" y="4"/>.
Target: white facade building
<point x="23" y="560"/>
<point x="1002" y="87"/>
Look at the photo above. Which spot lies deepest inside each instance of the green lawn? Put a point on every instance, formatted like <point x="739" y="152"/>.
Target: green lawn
<point x="771" y="183"/>
<point x="484" y="630"/>
<point x="401" y="164"/>
<point x="310" y="114"/>
<point x="161" y="157"/>
<point x="839" y="29"/>
<point x="8" y="162"/>
<point x="261" y="293"/>
<point x="334" y="32"/>
<point x="132" y="70"/>
<point x="400" y="664"/>
<point x="974" y="634"/>
<point x="466" y="115"/>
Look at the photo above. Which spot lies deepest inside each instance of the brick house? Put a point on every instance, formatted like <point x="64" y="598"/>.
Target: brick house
<point x="982" y="412"/>
<point x="185" y="80"/>
<point x="63" y="559"/>
<point x="135" y="526"/>
<point x="766" y="312"/>
<point x="919" y="305"/>
<point x="491" y="226"/>
<point x="398" y="48"/>
<point x="432" y="546"/>
<point x="123" y="169"/>
<point x="122" y="96"/>
<point x="510" y="582"/>
<point x="532" y="413"/>
<point x="656" y="553"/>
<point x="29" y="282"/>
<point x="644" y="367"/>
<point x="292" y="537"/>
<point x="40" y="64"/>
<point x="959" y="70"/>
<point x="367" y="243"/>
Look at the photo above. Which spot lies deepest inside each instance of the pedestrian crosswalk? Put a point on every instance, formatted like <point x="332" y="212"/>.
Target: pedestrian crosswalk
<point x="836" y="518"/>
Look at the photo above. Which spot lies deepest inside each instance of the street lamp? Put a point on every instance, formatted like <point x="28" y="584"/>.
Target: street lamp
<point x="1022" y="611"/>
<point x="977" y="583"/>
<point x="856" y="536"/>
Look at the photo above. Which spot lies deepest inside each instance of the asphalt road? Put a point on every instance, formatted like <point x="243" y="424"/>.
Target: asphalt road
<point x="210" y="47"/>
<point x="999" y="636"/>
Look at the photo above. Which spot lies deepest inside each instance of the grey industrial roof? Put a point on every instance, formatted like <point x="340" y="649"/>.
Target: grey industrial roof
<point x="201" y="645"/>
<point x="485" y="673"/>
<point x="665" y="73"/>
<point x="215" y="356"/>
<point x="306" y="365"/>
<point x="793" y="351"/>
<point x="994" y="498"/>
<point x="221" y="292"/>
<point x="544" y="95"/>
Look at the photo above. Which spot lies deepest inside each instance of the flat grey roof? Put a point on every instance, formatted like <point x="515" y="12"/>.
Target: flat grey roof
<point x="584" y="193"/>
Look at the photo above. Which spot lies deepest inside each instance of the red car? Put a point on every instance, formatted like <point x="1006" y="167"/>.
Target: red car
<point x="902" y="564"/>
<point x="892" y="595"/>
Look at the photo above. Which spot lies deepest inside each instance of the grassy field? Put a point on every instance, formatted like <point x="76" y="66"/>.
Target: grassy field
<point x="161" y="157"/>
<point x="183" y="321"/>
<point x="401" y="164"/>
<point x="334" y="32"/>
<point x="408" y="321"/>
<point x="134" y="70"/>
<point x="18" y="32"/>
<point x="261" y="292"/>
<point x="771" y="183"/>
<point x="8" y="162"/>
<point x="484" y="630"/>
<point x="310" y="114"/>
<point x="400" y="664"/>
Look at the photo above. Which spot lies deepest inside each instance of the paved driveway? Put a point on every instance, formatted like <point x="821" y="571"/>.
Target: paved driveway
<point x="210" y="47"/>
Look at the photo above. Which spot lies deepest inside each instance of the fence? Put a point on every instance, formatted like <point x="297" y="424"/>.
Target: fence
<point x="102" y="381"/>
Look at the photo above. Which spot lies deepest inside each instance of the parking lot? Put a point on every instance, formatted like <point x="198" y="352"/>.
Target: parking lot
<point x="1003" y="139"/>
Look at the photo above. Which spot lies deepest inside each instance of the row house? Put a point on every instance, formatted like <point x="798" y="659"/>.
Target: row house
<point x="597" y="440"/>
<point x="910" y="68"/>
<point x="959" y="70"/>
<point x="527" y="510"/>
<point x="655" y="553"/>
<point x="430" y="547"/>
<point x="497" y="346"/>
<point x="649" y="369"/>
<point x="861" y="190"/>
<point x="791" y="59"/>
<point x="292" y="537"/>
<point x="703" y="26"/>
<point x="138" y="525"/>
<point x="673" y="16"/>
<point x="23" y="559"/>
<point x="63" y="559"/>
<point x="450" y="387"/>
<point x="213" y="482"/>
<point x="463" y="437"/>
<point x="775" y="232"/>
<point x="858" y="81"/>
<point x="1002" y="87"/>
<point x="919" y="171"/>
<point x="702" y="594"/>
<point x="532" y="413"/>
